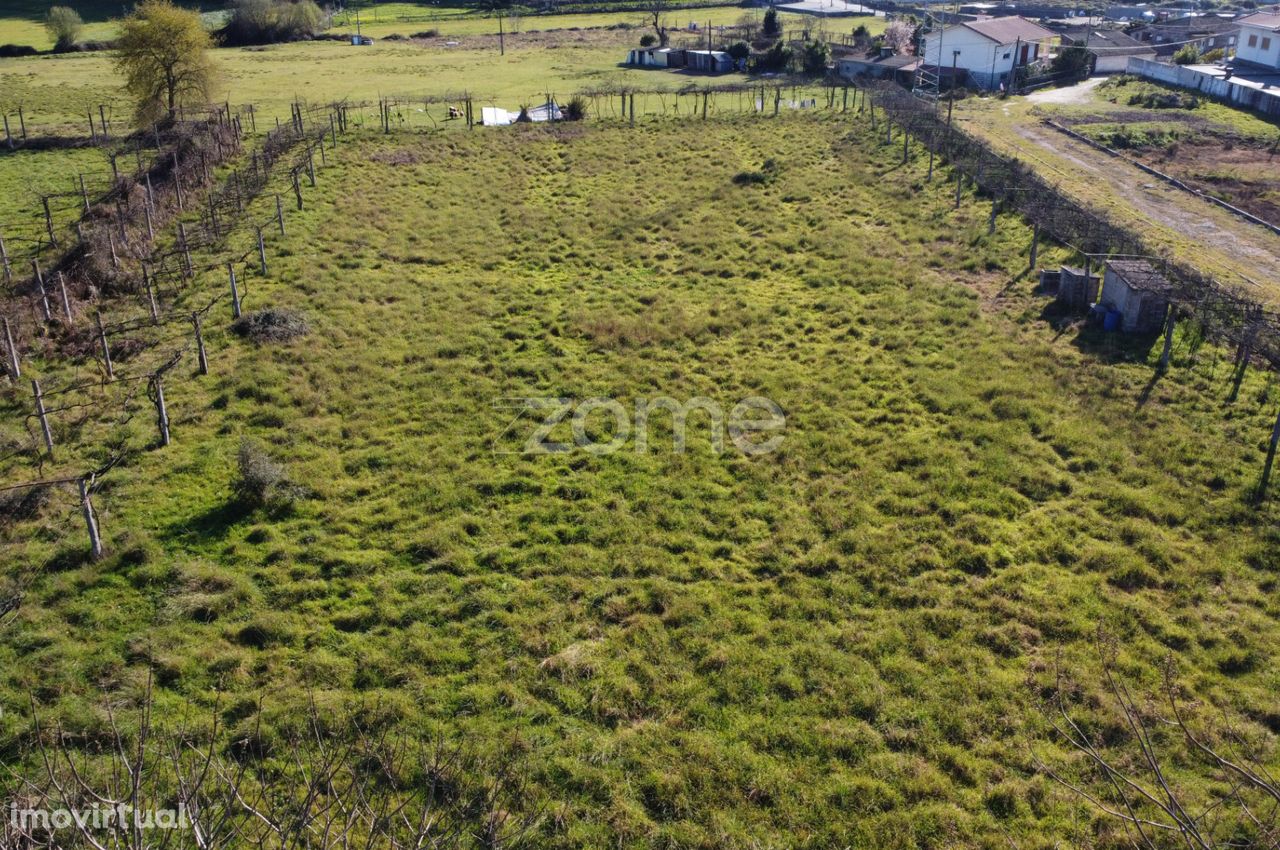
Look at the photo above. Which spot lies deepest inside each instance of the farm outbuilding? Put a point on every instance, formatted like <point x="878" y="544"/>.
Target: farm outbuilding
<point x="1138" y="292"/>
<point x="1076" y="289"/>
<point x="710" y="61"/>
<point x="657" y="57"/>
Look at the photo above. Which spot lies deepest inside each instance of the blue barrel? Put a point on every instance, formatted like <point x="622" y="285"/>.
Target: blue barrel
<point x="1112" y="321"/>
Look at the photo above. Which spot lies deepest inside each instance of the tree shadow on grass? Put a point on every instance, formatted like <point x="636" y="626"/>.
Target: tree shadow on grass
<point x="212" y="524"/>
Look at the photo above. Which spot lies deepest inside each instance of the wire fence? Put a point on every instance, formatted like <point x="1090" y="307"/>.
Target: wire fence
<point x="183" y="216"/>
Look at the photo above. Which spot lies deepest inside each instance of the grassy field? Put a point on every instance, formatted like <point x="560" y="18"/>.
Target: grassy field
<point x="56" y="91"/>
<point x="21" y="24"/>
<point x="842" y="642"/>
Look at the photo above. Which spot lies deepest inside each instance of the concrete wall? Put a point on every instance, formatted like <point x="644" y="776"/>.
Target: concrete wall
<point x="1268" y="56"/>
<point x="983" y="60"/>
<point x="1113" y="64"/>
<point x="1266" y="102"/>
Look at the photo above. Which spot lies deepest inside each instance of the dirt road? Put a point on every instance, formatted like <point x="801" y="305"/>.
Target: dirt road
<point x="1187" y="227"/>
<point x="1079" y="93"/>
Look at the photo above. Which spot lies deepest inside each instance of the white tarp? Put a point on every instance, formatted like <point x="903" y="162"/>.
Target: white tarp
<point x="493" y="116"/>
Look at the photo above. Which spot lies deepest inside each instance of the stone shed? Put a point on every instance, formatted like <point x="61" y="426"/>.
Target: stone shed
<point x="1076" y="289"/>
<point x="1139" y="292"/>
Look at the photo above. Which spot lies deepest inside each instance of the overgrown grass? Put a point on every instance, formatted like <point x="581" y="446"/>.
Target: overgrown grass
<point x="838" y="643"/>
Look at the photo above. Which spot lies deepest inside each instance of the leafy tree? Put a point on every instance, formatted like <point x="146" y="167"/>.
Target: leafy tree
<point x="63" y="25"/>
<point x="776" y="58"/>
<point x="1071" y="60"/>
<point x="815" y="57"/>
<point x="771" y="27"/>
<point x="1188" y="54"/>
<point x="739" y="50"/>
<point x="269" y="21"/>
<point x="163" y="53"/>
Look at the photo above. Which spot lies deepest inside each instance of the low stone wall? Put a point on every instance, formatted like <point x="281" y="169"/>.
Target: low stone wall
<point x="1264" y="101"/>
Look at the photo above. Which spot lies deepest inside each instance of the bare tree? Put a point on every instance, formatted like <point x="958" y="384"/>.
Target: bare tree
<point x="654" y="11"/>
<point x="332" y="783"/>
<point x="1233" y="801"/>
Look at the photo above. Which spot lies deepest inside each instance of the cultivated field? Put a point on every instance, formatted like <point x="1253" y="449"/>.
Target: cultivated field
<point x="842" y="642"/>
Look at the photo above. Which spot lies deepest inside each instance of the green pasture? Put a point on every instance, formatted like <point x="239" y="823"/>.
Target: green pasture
<point x="843" y="642"/>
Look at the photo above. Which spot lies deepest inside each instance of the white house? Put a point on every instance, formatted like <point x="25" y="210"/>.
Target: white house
<point x="1259" y="41"/>
<point x="990" y="49"/>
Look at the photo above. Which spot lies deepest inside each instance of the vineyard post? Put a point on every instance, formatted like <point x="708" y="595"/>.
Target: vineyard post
<point x="90" y="521"/>
<point x="4" y="258"/>
<point x="15" y="366"/>
<point x="186" y="250"/>
<point x="1271" y="457"/>
<point x="235" y="292"/>
<point x="162" y="413"/>
<point x="201" y="358"/>
<point x="43" y="416"/>
<point x="151" y="295"/>
<point x="146" y="214"/>
<point x="106" y="350"/>
<point x="44" y="296"/>
<point x="48" y="221"/>
<point x="1167" y="352"/>
<point x="66" y="302"/>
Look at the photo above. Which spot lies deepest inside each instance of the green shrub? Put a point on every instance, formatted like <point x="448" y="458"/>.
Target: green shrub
<point x="1188" y="54"/>
<point x="767" y="173"/>
<point x="63" y="25"/>
<point x="771" y="26"/>
<point x="777" y="58"/>
<point x="262" y="482"/>
<point x="271" y="21"/>
<point x="575" y="109"/>
<point x="648" y="40"/>
<point x="814" y="57"/>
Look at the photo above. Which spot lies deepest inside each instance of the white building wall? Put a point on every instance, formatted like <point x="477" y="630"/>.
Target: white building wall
<point x="989" y="64"/>
<point x="1268" y="56"/>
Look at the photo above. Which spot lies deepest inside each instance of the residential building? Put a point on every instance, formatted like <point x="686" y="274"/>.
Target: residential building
<point x="1207" y="32"/>
<point x="1259" y="40"/>
<point x="989" y="50"/>
<point x="1109" y="49"/>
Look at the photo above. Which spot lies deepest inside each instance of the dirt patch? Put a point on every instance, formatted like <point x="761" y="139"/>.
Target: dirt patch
<point x="272" y="325"/>
<point x="1246" y="176"/>
<point x="534" y="39"/>
<point x="400" y="156"/>
<point x="1135" y="116"/>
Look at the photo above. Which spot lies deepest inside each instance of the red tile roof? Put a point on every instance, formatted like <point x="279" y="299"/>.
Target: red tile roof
<point x="1010" y="29"/>
<point x="1266" y="20"/>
